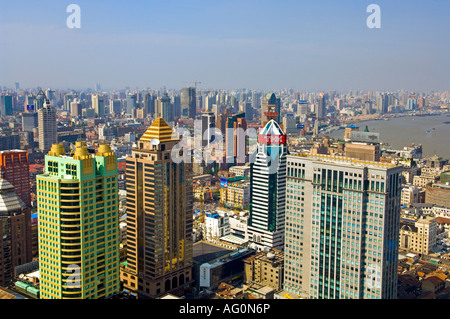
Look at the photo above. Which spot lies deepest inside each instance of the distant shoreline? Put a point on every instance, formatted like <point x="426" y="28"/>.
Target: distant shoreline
<point x="395" y="115"/>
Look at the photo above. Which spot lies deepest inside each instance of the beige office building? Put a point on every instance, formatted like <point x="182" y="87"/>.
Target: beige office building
<point x="342" y="225"/>
<point x="418" y="235"/>
<point x="159" y="217"/>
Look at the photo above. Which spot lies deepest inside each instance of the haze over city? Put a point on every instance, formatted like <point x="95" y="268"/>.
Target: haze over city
<point x="305" y="45"/>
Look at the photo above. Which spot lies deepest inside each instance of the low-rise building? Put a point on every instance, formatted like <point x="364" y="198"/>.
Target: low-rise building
<point x="412" y="194"/>
<point x="418" y="234"/>
<point x="265" y="268"/>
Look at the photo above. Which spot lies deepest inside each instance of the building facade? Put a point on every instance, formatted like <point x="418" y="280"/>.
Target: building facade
<point x="78" y="227"/>
<point x="268" y="188"/>
<point x="14" y="167"/>
<point x="47" y="127"/>
<point x="342" y="228"/>
<point x="159" y="216"/>
<point x="418" y="235"/>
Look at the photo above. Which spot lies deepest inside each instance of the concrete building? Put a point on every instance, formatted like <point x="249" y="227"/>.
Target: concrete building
<point x="15" y="232"/>
<point x="98" y="104"/>
<point x="412" y="194"/>
<point x="188" y="102"/>
<point x="342" y="226"/>
<point x="216" y="226"/>
<point x="48" y="134"/>
<point x="236" y="194"/>
<point x="363" y="151"/>
<point x="438" y="194"/>
<point x="78" y="208"/>
<point x="265" y="268"/>
<point x="14" y="167"/>
<point x="268" y="188"/>
<point x="159" y="217"/>
<point x="240" y="170"/>
<point x="418" y="235"/>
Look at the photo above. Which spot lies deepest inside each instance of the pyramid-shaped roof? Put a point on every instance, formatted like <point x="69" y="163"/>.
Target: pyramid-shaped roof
<point x="159" y="130"/>
<point x="272" y="128"/>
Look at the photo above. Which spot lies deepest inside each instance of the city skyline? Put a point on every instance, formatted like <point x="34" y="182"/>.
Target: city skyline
<point x="257" y="45"/>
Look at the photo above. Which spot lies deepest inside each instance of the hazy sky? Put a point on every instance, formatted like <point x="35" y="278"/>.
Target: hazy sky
<point x="226" y="44"/>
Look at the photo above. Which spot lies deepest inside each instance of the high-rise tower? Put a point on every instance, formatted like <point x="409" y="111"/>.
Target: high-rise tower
<point x="15" y="232"/>
<point x="47" y="127"/>
<point x="188" y="102"/>
<point x="267" y="188"/>
<point x="159" y="216"/>
<point x="98" y="103"/>
<point x="78" y="230"/>
<point x="342" y="228"/>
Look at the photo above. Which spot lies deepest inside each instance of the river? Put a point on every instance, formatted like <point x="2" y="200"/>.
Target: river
<point x="433" y="132"/>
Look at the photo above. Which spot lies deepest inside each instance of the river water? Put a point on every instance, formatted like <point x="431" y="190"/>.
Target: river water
<point x="430" y="131"/>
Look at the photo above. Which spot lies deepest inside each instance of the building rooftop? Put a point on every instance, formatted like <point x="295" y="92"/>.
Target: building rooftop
<point x="344" y="160"/>
<point x="159" y="130"/>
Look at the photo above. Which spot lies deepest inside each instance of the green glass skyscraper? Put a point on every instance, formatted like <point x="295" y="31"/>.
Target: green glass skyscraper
<point x="78" y="228"/>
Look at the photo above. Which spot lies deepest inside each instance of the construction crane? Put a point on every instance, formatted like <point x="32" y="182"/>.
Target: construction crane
<point x="195" y="83"/>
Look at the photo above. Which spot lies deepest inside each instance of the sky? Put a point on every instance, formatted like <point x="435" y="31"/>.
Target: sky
<point x="226" y="44"/>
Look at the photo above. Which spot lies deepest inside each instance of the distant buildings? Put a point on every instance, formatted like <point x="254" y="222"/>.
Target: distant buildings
<point x="98" y="104"/>
<point x="47" y="127"/>
<point x="6" y="105"/>
<point x="188" y="102"/>
<point x="270" y="109"/>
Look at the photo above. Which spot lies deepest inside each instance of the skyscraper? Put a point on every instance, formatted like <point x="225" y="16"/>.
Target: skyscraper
<point x="98" y="103"/>
<point x="76" y="108"/>
<point x="78" y="233"/>
<point x="47" y="127"/>
<point x="29" y="121"/>
<point x="188" y="102"/>
<point x="268" y="188"/>
<point x="15" y="232"/>
<point x="165" y="108"/>
<point x="342" y="228"/>
<point x="159" y="216"/>
<point x="235" y="138"/>
<point x="320" y="107"/>
<point x="208" y="126"/>
<point x="131" y="102"/>
<point x="382" y="103"/>
<point x="6" y="104"/>
<point x="149" y="103"/>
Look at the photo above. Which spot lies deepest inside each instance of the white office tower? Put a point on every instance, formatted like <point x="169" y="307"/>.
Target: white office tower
<point x="342" y="228"/>
<point x="267" y="188"/>
<point x="47" y="127"/>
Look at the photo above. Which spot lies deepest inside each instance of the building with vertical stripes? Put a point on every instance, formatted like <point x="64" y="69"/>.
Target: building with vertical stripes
<point x="159" y="217"/>
<point x="267" y="189"/>
<point x="78" y="224"/>
<point x="342" y="228"/>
